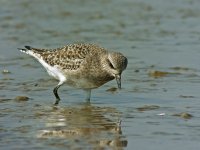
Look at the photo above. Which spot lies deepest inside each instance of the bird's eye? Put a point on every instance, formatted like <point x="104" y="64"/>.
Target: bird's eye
<point x="111" y="66"/>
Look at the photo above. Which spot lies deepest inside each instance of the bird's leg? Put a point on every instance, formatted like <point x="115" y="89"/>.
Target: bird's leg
<point x="55" y="91"/>
<point x="88" y="94"/>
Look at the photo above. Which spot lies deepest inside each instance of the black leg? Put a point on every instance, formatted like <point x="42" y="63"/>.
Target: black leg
<point x="88" y="92"/>
<point x="55" y="91"/>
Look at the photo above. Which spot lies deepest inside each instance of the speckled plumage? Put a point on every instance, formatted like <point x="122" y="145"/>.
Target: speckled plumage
<point x="85" y="66"/>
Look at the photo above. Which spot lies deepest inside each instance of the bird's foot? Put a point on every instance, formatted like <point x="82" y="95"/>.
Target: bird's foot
<point x="57" y="102"/>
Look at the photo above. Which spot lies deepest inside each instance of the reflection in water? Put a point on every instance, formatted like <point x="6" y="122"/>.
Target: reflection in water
<point x="85" y="124"/>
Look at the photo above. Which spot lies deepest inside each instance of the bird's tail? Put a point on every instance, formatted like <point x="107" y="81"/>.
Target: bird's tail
<point x="26" y="50"/>
<point x="31" y="51"/>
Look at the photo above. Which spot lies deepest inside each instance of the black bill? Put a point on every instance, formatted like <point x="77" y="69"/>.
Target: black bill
<point x="118" y="79"/>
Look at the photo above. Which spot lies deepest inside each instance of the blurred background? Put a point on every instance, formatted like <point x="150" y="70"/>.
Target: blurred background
<point x="157" y="107"/>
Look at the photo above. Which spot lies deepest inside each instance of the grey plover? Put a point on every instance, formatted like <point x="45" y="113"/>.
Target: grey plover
<point x="84" y="66"/>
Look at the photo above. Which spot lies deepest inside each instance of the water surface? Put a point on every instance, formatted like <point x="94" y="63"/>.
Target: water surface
<point x="161" y="42"/>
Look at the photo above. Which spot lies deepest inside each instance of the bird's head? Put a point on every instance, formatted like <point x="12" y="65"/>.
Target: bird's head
<point x="116" y="63"/>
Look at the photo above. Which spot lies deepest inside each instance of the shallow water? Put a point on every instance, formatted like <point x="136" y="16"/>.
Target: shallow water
<point x="161" y="83"/>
